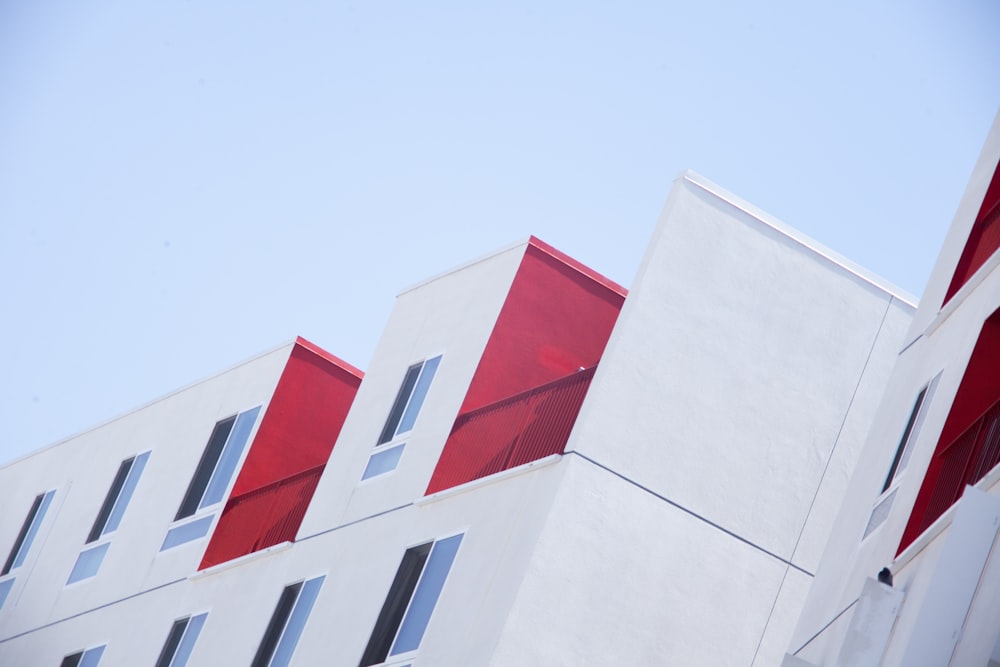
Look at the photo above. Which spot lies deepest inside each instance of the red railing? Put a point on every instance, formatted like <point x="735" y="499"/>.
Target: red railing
<point x="963" y="462"/>
<point x="262" y="518"/>
<point x="984" y="240"/>
<point x="517" y="430"/>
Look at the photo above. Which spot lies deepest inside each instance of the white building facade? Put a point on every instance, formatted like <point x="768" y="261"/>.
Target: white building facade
<point x="538" y="467"/>
<point x="925" y="501"/>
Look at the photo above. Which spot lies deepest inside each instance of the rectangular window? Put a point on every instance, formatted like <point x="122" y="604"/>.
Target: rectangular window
<point x="408" y="606"/>
<point x="287" y="622"/>
<point x="118" y="497"/>
<point x="29" y="529"/>
<point x="89" y="658"/>
<point x="180" y="642"/>
<point x="409" y="399"/>
<point x="218" y="463"/>
<point x="898" y="461"/>
<point x="109" y="517"/>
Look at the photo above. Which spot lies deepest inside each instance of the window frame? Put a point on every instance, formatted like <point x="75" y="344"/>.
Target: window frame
<point x="29" y="531"/>
<point x="195" y="518"/>
<point x="394" y="614"/>
<point x="109" y="518"/>
<point x="273" y="651"/>
<point x="186" y="639"/>
<point x="89" y="657"/>
<point x="403" y="414"/>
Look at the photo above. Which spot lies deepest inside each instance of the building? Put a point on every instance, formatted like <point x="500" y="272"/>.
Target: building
<point x="537" y="468"/>
<point x="925" y="500"/>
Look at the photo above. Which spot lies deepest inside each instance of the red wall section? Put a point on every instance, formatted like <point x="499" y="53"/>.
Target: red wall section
<point x="556" y="319"/>
<point x="984" y="239"/>
<point x="296" y="435"/>
<point x="969" y="445"/>
<point x="528" y="388"/>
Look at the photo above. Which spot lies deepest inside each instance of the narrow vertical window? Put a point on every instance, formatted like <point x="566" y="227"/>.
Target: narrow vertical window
<point x="89" y="658"/>
<point x="287" y="622"/>
<point x="898" y="462"/>
<point x="109" y="517"/>
<point x="218" y="463"/>
<point x="411" y="600"/>
<point x="402" y="417"/>
<point x="118" y="496"/>
<point x="29" y="529"/>
<point x="410" y="398"/>
<point x="180" y="642"/>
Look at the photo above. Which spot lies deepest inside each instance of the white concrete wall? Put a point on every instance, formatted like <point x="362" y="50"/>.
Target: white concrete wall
<point x="738" y="385"/>
<point x="940" y="341"/>
<point x="359" y="561"/>
<point x="175" y="429"/>
<point x="451" y="315"/>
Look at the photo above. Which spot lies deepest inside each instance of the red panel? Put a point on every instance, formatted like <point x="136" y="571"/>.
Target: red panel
<point x="527" y="390"/>
<point x="556" y="319"/>
<point x="262" y="518"/>
<point x="296" y="434"/>
<point x="984" y="239"/>
<point x="511" y="432"/>
<point x="303" y="419"/>
<point x="969" y="444"/>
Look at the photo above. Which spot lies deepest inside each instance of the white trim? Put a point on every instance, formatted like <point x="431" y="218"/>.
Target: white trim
<point x="220" y="567"/>
<point x="489" y="479"/>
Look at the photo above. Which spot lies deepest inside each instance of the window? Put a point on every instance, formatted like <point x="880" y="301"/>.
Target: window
<point x="180" y="642"/>
<point x="402" y="417"/>
<point x="109" y="517"/>
<point x="409" y="399"/>
<point x="408" y="606"/>
<point x="287" y="623"/>
<point x="218" y="463"/>
<point x="212" y="477"/>
<point x="899" y="462"/>
<point x="89" y="658"/>
<point x="29" y="529"/>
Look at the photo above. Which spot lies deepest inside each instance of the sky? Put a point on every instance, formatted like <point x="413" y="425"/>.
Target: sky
<point x="186" y="184"/>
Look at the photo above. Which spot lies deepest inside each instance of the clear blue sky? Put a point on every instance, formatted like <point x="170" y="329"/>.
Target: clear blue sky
<point x="184" y="184"/>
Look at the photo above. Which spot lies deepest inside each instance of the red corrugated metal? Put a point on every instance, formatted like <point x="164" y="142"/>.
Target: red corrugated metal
<point x="517" y="430"/>
<point x="969" y="443"/>
<point x="984" y="239"/>
<point x="296" y="435"/>
<point x="964" y="462"/>
<point x="264" y="517"/>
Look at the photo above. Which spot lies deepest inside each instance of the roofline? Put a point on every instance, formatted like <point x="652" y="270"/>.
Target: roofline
<point x="798" y="237"/>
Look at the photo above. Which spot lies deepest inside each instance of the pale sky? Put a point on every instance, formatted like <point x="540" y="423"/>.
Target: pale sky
<point x="185" y="184"/>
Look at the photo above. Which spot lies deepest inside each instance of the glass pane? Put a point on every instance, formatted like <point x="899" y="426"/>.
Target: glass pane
<point x="29" y="536"/>
<point x="126" y="493"/>
<point x="389" y="430"/>
<point x="92" y="657"/>
<point x="109" y="500"/>
<point x="173" y="641"/>
<point x="206" y="466"/>
<point x="269" y="642"/>
<point x="187" y="643"/>
<point x="5" y="587"/>
<point x="187" y="532"/>
<point x="230" y="458"/>
<point x="383" y="461"/>
<point x="88" y="563"/>
<point x="296" y="622"/>
<point x="426" y="595"/>
<point x="419" y="392"/>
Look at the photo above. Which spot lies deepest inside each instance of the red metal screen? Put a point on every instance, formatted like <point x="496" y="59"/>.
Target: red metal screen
<point x="517" y="430"/>
<point x="263" y="517"/>
<point x="963" y="462"/>
<point x="983" y="241"/>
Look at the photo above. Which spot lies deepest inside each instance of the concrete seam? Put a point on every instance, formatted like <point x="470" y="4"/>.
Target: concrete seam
<point x="691" y="512"/>
<point x="840" y="430"/>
